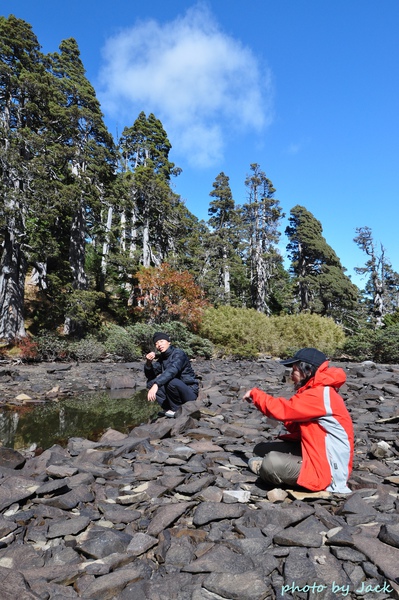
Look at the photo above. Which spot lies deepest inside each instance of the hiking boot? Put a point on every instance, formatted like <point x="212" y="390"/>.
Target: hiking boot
<point x="254" y="464"/>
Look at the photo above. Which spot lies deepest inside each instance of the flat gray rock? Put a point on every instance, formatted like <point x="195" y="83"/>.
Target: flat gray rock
<point x="154" y="508"/>
<point x="384" y="556"/>
<point x="220" y="559"/>
<point x="308" y="533"/>
<point x="140" y="543"/>
<point x="165" y="516"/>
<point x="207" y="512"/>
<point x="71" y="526"/>
<point x="237" y="586"/>
<point x="99" y="542"/>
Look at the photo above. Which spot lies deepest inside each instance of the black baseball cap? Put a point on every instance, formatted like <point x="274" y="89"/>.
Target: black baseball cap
<point x="309" y="355"/>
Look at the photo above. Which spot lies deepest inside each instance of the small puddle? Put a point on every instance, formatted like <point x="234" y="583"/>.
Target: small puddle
<point x="86" y="416"/>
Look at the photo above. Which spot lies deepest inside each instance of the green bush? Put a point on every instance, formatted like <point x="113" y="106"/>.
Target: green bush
<point x="246" y="332"/>
<point x="52" y="347"/>
<point x="380" y="345"/>
<point x="87" y="350"/>
<point x="119" y="343"/>
<point x="292" y="332"/>
<point x="236" y="331"/>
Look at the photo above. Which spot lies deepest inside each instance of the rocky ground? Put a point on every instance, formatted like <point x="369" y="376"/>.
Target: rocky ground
<point x="171" y="510"/>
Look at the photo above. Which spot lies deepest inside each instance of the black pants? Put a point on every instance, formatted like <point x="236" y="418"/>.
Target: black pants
<point x="174" y="394"/>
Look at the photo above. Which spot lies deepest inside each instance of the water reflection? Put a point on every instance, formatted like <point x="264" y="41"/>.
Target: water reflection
<point x="86" y="416"/>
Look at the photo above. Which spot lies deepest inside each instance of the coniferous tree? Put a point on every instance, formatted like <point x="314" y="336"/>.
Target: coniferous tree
<point x="224" y="242"/>
<point x="27" y="153"/>
<point x="145" y="150"/>
<point x="262" y="214"/>
<point x="90" y="161"/>
<point x="318" y="276"/>
<point x="382" y="286"/>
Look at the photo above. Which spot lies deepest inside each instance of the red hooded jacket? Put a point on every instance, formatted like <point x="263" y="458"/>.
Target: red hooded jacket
<point x="317" y="416"/>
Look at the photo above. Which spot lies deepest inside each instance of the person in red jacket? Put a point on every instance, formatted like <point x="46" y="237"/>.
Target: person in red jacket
<point x="316" y="451"/>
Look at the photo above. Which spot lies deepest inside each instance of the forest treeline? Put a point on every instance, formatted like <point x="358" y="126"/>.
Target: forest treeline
<point x="93" y="225"/>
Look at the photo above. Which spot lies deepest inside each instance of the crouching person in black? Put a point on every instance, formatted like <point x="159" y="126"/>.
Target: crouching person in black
<point x="171" y="380"/>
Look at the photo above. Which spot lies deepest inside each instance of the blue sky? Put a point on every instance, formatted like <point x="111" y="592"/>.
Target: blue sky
<point x="308" y="89"/>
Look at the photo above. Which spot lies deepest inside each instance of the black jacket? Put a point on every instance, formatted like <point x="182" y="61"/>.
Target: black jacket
<point x="174" y="363"/>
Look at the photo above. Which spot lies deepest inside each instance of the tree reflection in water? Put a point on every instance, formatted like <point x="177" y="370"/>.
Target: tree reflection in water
<point x="86" y="416"/>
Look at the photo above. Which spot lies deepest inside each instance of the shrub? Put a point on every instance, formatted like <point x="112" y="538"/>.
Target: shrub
<point x="52" y="347"/>
<point x="164" y="294"/>
<point x="28" y="349"/>
<point x="246" y="332"/>
<point x="292" y="332"/>
<point x="87" y="350"/>
<point x="118" y="342"/>
<point x="380" y="345"/>
<point x="237" y="331"/>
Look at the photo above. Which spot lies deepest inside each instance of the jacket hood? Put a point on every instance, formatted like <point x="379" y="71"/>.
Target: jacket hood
<point x="332" y="376"/>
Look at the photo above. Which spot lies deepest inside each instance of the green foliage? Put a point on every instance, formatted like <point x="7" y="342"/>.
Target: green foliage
<point x="292" y="332"/>
<point x="318" y="276"/>
<point x="51" y="346"/>
<point x="246" y="332"/>
<point x="88" y="349"/>
<point x="392" y="319"/>
<point x="379" y="345"/>
<point x="118" y="342"/>
<point x="236" y="331"/>
<point x="82" y="307"/>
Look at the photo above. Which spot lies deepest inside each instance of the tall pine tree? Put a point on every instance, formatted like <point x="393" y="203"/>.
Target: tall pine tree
<point x="318" y="276"/>
<point x="90" y="162"/>
<point x="262" y="214"/>
<point x="224" y="242"/>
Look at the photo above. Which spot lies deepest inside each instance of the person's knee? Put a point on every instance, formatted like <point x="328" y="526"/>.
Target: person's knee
<point x="278" y="468"/>
<point x="271" y="464"/>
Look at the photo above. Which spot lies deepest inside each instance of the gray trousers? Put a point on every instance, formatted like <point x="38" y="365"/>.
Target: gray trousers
<point x="282" y="461"/>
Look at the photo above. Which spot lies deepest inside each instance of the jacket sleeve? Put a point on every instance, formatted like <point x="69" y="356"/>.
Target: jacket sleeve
<point x="152" y="371"/>
<point x="292" y="431"/>
<point x="173" y="369"/>
<point x="304" y="406"/>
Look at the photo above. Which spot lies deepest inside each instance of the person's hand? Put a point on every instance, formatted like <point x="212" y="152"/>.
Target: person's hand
<point x="152" y="393"/>
<point x="247" y="396"/>
<point x="150" y="356"/>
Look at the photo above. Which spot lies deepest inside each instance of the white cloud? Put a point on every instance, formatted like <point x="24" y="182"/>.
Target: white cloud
<point x="203" y="84"/>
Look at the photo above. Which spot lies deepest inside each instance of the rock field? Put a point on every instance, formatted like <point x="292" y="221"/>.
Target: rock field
<point x="172" y="512"/>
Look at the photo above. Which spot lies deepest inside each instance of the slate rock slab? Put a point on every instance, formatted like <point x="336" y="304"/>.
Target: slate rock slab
<point x="212" y="511"/>
<point x="220" y="559"/>
<point x="237" y="586"/>
<point x="384" y="556"/>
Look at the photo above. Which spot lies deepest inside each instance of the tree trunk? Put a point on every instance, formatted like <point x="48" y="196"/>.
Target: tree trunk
<point x="226" y="277"/>
<point x="77" y="253"/>
<point x="12" y="289"/>
<point x="77" y="248"/>
<point x="106" y="243"/>
<point x="39" y="275"/>
<point x="146" y="245"/>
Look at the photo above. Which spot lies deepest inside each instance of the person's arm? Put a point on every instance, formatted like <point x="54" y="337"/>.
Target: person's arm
<point x="173" y="368"/>
<point x="151" y="369"/>
<point x="304" y="406"/>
